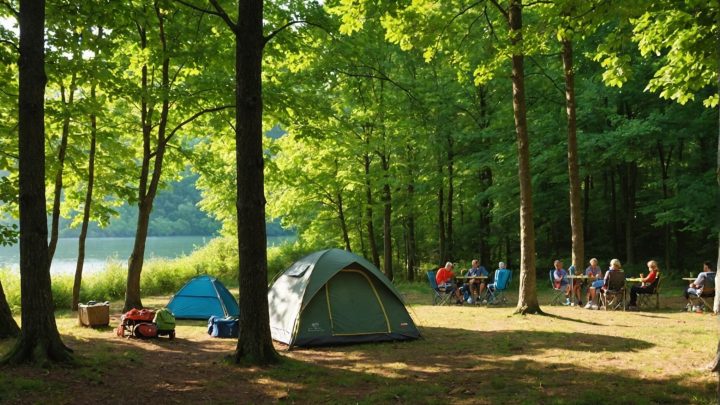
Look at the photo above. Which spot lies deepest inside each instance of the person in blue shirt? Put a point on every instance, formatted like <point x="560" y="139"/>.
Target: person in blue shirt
<point x="476" y="286"/>
<point x="560" y="280"/>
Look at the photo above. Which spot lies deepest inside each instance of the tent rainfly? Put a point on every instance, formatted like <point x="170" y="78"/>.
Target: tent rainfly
<point x="201" y="298"/>
<point x="336" y="297"/>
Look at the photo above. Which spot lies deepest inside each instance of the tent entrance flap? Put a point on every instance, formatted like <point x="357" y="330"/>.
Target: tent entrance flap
<point x="354" y="305"/>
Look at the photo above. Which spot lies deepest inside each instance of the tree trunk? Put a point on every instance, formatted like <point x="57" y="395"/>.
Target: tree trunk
<point x="39" y="340"/>
<point x="629" y="181"/>
<point x="441" y="226"/>
<point x="86" y="208"/>
<point x="369" y="213"/>
<point x="527" y="297"/>
<point x="664" y="169"/>
<point x="586" y="206"/>
<point x="485" y="217"/>
<point x="576" y="223"/>
<point x="62" y="151"/>
<point x="148" y="184"/>
<point x="8" y="326"/>
<point x="411" y="243"/>
<point x="343" y="223"/>
<point x="614" y="214"/>
<point x="254" y="342"/>
<point x="387" y="216"/>
<point x="451" y="191"/>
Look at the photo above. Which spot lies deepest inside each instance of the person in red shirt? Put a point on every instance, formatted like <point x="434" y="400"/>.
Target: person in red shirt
<point x="648" y="284"/>
<point x="444" y="278"/>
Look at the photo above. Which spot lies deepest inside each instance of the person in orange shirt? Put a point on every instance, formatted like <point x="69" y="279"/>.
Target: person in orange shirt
<point x="445" y="279"/>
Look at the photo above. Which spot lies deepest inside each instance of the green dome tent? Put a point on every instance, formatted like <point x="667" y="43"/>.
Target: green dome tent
<point x="336" y="297"/>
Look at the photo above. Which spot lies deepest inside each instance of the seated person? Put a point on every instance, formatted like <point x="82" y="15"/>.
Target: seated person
<point x="577" y="285"/>
<point x="615" y="265"/>
<point x="444" y="279"/>
<point x="647" y="286"/>
<point x="476" y="286"/>
<point x="560" y="280"/>
<point x="493" y="286"/>
<point x="596" y="282"/>
<point x="696" y="287"/>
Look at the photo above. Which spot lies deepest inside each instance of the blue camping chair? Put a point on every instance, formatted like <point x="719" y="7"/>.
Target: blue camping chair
<point x="558" y="294"/>
<point x="440" y="296"/>
<point x="496" y="290"/>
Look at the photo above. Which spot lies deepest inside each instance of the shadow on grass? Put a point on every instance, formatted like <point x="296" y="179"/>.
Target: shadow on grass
<point x="449" y="366"/>
<point x="564" y="318"/>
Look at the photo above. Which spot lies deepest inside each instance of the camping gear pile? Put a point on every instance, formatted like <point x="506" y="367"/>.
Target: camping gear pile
<point x="146" y="323"/>
<point x="94" y="314"/>
<point x="223" y="327"/>
<point x="203" y="297"/>
<point x="336" y="297"/>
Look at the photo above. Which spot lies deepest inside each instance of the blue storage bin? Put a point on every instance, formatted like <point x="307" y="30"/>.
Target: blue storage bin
<point x="223" y="327"/>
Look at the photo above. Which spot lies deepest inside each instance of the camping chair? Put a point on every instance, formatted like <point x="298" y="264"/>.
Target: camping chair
<point x="708" y="291"/>
<point x="558" y="294"/>
<point x="496" y="290"/>
<point x="440" y="296"/>
<point x="644" y="300"/>
<point x="614" y="296"/>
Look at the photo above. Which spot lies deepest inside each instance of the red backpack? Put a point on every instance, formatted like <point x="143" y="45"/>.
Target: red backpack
<point x="142" y="315"/>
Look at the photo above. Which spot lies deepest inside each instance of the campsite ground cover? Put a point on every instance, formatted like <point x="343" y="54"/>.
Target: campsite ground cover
<point x="467" y="355"/>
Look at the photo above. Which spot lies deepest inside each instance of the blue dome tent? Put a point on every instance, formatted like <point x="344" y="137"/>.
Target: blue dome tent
<point x="201" y="298"/>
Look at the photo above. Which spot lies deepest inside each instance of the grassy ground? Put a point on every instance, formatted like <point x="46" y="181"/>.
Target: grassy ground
<point x="467" y="355"/>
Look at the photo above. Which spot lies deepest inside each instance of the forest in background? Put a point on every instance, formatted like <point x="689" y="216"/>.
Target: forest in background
<point x="399" y="133"/>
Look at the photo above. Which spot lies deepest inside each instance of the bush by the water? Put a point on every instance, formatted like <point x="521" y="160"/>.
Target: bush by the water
<point x="219" y="258"/>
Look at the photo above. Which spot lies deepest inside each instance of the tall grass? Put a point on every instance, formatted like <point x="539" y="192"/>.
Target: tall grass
<point x="219" y="258"/>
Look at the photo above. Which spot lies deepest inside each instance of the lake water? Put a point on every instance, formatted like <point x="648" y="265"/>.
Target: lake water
<point x="98" y="251"/>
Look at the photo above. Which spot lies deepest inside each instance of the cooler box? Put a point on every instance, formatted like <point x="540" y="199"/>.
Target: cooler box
<point x="222" y="327"/>
<point x="94" y="315"/>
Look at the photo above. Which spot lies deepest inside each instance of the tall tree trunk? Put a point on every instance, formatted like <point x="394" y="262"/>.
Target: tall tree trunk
<point x="8" y="326"/>
<point x="441" y="226"/>
<point x="39" y="338"/>
<point x="614" y="214"/>
<point x="387" y="216"/>
<point x="62" y="151"/>
<point x="485" y="217"/>
<point x="411" y="243"/>
<point x="527" y="297"/>
<point x="586" y="206"/>
<point x="451" y="191"/>
<point x="664" y="169"/>
<point x="343" y="223"/>
<point x="149" y="182"/>
<point x="576" y="223"/>
<point x="369" y="212"/>
<point x="254" y="342"/>
<point x="629" y="181"/>
<point x="86" y="208"/>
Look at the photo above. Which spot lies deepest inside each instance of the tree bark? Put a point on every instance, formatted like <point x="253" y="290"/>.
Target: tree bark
<point x="62" y="152"/>
<point x="664" y="172"/>
<point x="441" y="225"/>
<point x="576" y="223"/>
<point x="387" y="216"/>
<point x="254" y="342"/>
<point x="86" y="208"/>
<point x="343" y="222"/>
<point x="8" y="326"/>
<point x="369" y="212"/>
<point x="629" y="188"/>
<point x="485" y="217"/>
<point x="39" y="340"/>
<point x="451" y="191"/>
<point x="149" y="182"/>
<point x="411" y="243"/>
<point x="527" y="297"/>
